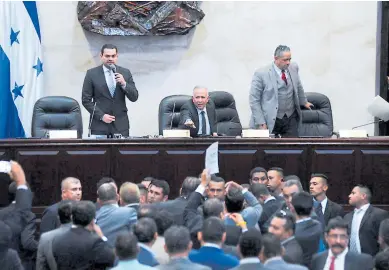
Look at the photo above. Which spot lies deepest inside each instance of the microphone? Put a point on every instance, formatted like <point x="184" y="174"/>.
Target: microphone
<point x="91" y="119"/>
<point x="379" y="121"/>
<point x="171" y="121"/>
<point x="112" y="67"/>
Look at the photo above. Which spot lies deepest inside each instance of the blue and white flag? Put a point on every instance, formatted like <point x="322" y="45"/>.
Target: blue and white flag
<point x="21" y="67"/>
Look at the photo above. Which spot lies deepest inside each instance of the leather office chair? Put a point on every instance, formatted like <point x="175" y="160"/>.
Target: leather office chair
<point x="318" y="121"/>
<point x="56" y="113"/>
<point x="169" y="108"/>
<point x="227" y="117"/>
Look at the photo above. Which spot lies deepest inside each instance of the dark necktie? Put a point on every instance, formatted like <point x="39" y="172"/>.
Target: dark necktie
<point x="203" y="124"/>
<point x="319" y="213"/>
<point x="283" y="77"/>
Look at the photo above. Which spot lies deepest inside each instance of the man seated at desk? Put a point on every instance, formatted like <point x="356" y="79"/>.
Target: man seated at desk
<point x="199" y="115"/>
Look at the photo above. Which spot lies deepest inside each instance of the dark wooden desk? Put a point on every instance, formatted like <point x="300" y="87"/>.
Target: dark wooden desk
<point x="346" y="162"/>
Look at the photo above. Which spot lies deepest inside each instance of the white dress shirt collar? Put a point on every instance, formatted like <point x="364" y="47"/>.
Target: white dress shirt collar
<point x="269" y="199"/>
<point x="302" y="220"/>
<point x="362" y="208"/>
<point x="203" y="110"/>
<point x="339" y="260"/>
<point x="211" y="245"/>
<point x="249" y="260"/>
<point x="279" y="71"/>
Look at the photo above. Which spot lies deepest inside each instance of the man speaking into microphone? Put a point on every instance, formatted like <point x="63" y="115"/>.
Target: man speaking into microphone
<point x="103" y="95"/>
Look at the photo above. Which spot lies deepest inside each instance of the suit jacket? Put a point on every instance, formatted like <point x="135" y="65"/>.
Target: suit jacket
<point x="293" y="251"/>
<point x="332" y="210"/>
<point x="189" y="111"/>
<point x="50" y="220"/>
<point x="45" y="258"/>
<point x="308" y="234"/>
<point x="78" y="248"/>
<point x="95" y="90"/>
<point x="114" y="220"/>
<point x="22" y="222"/>
<point x="146" y="256"/>
<point x="368" y="230"/>
<point x="175" y="207"/>
<point x="269" y="208"/>
<point x="251" y="266"/>
<point x="182" y="264"/>
<point x="9" y="260"/>
<point x="264" y="95"/>
<point x="277" y="263"/>
<point x="352" y="261"/>
<point x="213" y="257"/>
<point x="131" y="264"/>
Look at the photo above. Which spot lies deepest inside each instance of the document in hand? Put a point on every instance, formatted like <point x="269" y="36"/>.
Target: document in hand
<point x="212" y="158"/>
<point x="379" y="108"/>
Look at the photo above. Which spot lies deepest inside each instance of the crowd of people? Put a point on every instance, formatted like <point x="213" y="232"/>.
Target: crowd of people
<point x="270" y="222"/>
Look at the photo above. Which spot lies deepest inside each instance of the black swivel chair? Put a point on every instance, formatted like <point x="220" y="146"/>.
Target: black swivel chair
<point x="318" y="121"/>
<point x="227" y="117"/>
<point x="56" y="113"/>
<point x="169" y="111"/>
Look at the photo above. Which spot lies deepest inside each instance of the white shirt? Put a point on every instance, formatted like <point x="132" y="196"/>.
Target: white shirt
<point x="279" y="71"/>
<point x="302" y="220"/>
<point x="356" y="223"/>
<point x="249" y="260"/>
<point x="339" y="260"/>
<point x="269" y="199"/>
<point x="208" y="127"/>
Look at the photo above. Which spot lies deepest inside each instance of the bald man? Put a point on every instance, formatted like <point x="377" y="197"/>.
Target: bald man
<point x="70" y="190"/>
<point x="199" y="114"/>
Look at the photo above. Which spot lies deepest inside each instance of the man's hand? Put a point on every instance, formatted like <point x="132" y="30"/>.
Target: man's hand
<point x="308" y="105"/>
<point x="263" y="126"/>
<point x="214" y="134"/>
<point x="108" y="118"/>
<point x="17" y="173"/>
<point x="238" y="219"/>
<point x="189" y="123"/>
<point x="120" y="79"/>
<point x="205" y="178"/>
<point x="232" y="184"/>
<point x="97" y="230"/>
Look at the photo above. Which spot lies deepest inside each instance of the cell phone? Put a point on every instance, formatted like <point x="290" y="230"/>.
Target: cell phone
<point x="5" y="166"/>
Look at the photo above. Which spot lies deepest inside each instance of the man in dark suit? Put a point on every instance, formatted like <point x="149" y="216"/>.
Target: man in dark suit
<point x="325" y="208"/>
<point x="178" y="246"/>
<point x="250" y="245"/>
<point x="283" y="226"/>
<point x="271" y="252"/>
<point x="146" y="232"/>
<point x="70" y="190"/>
<point x="308" y="231"/>
<point x="199" y="114"/>
<point x="103" y="94"/>
<point x="19" y="218"/>
<point x="364" y="221"/>
<point x="69" y="248"/>
<point x="338" y="256"/>
<point x="212" y="237"/>
<point x="9" y="258"/>
<point x="45" y="259"/>
<point x="269" y="204"/>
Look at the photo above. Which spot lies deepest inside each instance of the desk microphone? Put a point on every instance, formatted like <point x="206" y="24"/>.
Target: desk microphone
<point x="379" y="121"/>
<point x="91" y="119"/>
<point x="171" y="121"/>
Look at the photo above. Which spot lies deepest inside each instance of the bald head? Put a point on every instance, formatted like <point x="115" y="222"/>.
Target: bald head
<point x="129" y="193"/>
<point x="200" y="97"/>
<point x="107" y="193"/>
<point x="71" y="189"/>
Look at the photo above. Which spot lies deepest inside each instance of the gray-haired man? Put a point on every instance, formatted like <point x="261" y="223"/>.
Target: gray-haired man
<point x="276" y="95"/>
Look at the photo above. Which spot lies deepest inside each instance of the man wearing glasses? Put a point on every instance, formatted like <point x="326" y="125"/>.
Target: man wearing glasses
<point x="338" y="256"/>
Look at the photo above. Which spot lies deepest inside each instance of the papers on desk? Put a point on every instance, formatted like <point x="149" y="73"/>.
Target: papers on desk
<point x="212" y="158"/>
<point x="379" y="108"/>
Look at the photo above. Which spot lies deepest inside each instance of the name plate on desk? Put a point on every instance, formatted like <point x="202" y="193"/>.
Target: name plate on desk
<point x="176" y="133"/>
<point x="255" y="133"/>
<point x="352" y="133"/>
<point x="63" y="134"/>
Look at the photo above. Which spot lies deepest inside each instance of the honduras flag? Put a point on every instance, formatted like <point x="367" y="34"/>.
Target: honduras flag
<point x="21" y="67"/>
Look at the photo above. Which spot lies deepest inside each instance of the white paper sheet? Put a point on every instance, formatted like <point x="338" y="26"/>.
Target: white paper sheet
<point x="379" y="108"/>
<point x="212" y="158"/>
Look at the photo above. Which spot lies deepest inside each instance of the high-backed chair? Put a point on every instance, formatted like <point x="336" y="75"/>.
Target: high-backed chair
<point x="318" y="121"/>
<point x="169" y="111"/>
<point x="227" y="117"/>
<point x="56" y="113"/>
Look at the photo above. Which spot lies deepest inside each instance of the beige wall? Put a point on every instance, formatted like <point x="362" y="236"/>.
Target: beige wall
<point x="334" y="44"/>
